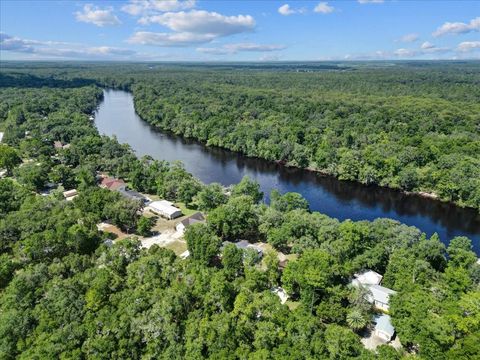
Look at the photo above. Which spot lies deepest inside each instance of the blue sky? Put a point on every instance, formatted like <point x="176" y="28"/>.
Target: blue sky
<point x="189" y="30"/>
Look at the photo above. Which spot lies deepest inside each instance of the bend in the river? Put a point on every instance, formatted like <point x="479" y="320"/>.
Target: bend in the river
<point x="340" y="199"/>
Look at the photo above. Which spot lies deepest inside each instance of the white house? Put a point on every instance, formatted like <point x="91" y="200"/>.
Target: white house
<point x="187" y="222"/>
<point x="383" y="327"/>
<point x="379" y="296"/>
<point x="165" y="209"/>
<point x="368" y="277"/>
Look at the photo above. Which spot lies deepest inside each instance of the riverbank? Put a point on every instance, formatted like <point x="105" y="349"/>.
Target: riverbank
<point x="338" y="199"/>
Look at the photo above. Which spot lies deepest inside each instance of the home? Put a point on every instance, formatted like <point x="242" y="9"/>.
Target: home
<point x="165" y="209"/>
<point x="244" y="245"/>
<point x="113" y="184"/>
<point x="383" y="327"/>
<point x="70" y="194"/>
<point x="192" y="219"/>
<point x="378" y="295"/>
<point x="133" y="195"/>
<point x="368" y="277"/>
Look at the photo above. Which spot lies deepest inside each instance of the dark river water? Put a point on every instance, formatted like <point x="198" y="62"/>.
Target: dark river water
<point x="339" y="199"/>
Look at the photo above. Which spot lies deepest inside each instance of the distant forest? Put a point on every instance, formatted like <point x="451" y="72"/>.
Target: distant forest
<point x="413" y="126"/>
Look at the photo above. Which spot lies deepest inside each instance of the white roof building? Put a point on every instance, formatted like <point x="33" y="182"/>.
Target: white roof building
<point x="380" y="296"/>
<point x="368" y="277"/>
<point x="165" y="209"/>
<point x="383" y="327"/>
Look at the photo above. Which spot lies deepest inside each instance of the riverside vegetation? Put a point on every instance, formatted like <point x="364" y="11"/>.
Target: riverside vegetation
<point x="65" y="293"/>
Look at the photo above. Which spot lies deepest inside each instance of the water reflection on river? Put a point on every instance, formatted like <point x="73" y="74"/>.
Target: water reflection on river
<point x="339" y="199"/>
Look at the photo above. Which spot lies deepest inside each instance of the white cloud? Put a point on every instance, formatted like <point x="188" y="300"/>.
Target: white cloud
<point x="230" y="49"/>
<point x="370" y="1"/>
<point x="192" y="27"/>
<point x="169" y="39"/>
<point x="458" y="27"/>
<point x="100" y="17"/>
<point x="427" y="45"/>
<point x="323" y="8"/>
<point x="202" y="22"/>
<point x="54" y="49"/>
<point x="405" y="53"/>
<point x="142" y="7"/>
<point x="286" y="10"/>
<point x="467" y="46"/>
<point x="408" y="38"/>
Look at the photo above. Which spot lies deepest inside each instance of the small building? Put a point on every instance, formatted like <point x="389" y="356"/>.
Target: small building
<point x="185" y="255"/>
<point x="383" y="327"/>
<point x="113" y="184"/>
<point x="368" y="277"/>
<point x="70" y="194"/>
<point x="379" y="296"/>
<point x="244" y="245"/>
<point x="165" y="209"/>
<point x="1" y="136"/>
<point x="187" y="222"/>
<point x="133" y="195"/>
<point x="281" y="293"/>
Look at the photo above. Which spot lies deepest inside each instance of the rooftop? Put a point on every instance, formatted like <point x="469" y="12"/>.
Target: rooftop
<point x="193" y="219"/>
<point x="383" y="323"/>
<point x="380" y="293"/>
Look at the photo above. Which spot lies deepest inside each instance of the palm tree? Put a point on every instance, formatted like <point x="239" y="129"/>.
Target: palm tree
<point x="356" y="320"/>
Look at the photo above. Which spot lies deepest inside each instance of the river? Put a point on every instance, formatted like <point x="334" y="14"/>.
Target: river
<point x="340" y="199"/>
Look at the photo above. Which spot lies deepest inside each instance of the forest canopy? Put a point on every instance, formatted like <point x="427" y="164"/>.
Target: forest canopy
<point x="69" y="291"/>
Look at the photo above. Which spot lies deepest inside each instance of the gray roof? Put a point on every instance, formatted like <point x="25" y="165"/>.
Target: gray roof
<point x="193" y="219"/>
<point x="132" y="195"/>
<point x="384" y="324"/>
<point x="380" y="293"/>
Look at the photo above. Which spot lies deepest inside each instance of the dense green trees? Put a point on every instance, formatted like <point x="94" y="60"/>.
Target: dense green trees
<point x="66" y="293"/>
<point x="8" y="158"/>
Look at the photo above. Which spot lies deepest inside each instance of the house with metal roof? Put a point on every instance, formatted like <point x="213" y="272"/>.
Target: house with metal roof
<point x="383" y="327"/>
<point x="165" y="209"/>
<point x="378" y="295"/>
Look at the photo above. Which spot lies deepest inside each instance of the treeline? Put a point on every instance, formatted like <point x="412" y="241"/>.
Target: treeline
<point x="65" y="292"/>
<point x="412" y="126"/>
<point x="357" y="128"/>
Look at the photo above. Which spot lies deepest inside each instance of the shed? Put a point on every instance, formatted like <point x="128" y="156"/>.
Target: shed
<point x="165" y="209"/>
<point x="70" y="194"/>
<point x="383" y="327"/>
<point x="192" y="219"/>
